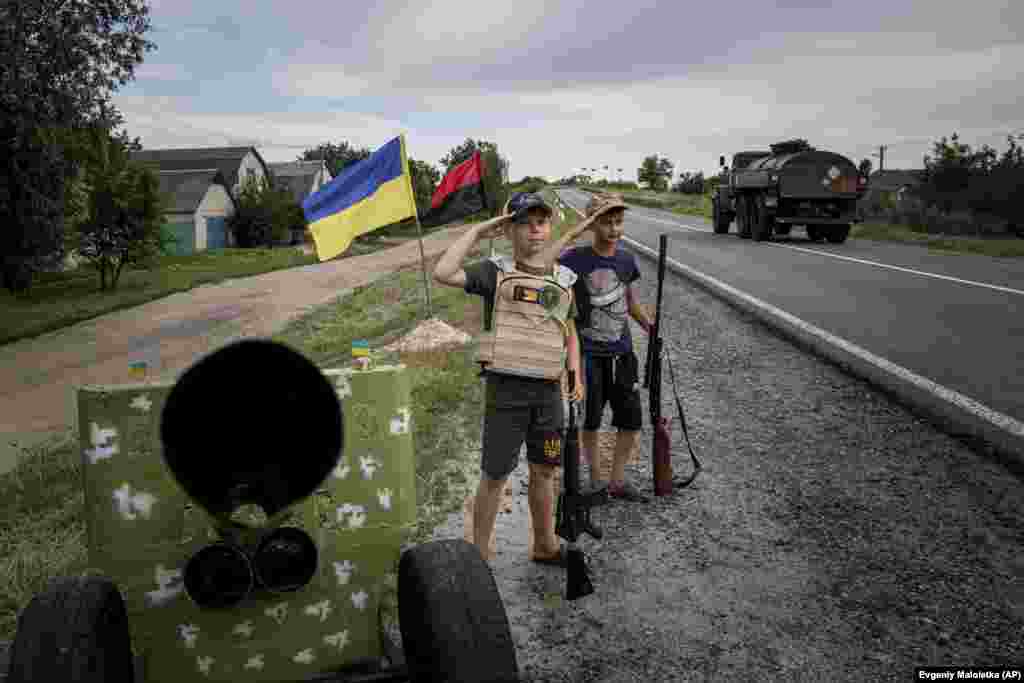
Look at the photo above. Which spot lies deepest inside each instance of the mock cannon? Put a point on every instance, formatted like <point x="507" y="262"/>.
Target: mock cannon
<point x="242" y="522"/>
<point x="268" y="468"/>
<point x="794" y="184"/>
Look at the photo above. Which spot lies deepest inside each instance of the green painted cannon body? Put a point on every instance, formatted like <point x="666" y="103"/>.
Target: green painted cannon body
<point x="248" y="514"/>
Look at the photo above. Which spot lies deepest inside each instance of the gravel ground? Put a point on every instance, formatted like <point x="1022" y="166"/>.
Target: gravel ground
<point x="831" y="536"/>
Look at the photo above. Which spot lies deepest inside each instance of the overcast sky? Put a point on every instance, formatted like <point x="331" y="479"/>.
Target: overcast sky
<point x="564" y="85"/>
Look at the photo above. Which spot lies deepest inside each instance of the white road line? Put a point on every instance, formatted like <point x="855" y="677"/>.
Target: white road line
<point x="975" y="283"/>
<point x="966" y="403"/>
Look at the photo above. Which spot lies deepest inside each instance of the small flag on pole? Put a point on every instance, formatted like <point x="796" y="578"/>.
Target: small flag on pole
<point x="460" y="194"/>
<point x="360" y="348"/>
<point x="138" y="369"/>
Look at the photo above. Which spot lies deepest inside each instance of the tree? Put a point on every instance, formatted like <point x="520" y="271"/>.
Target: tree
<point x="58" y="68"/>
<point x="425" y="178"/>
<point x="495" y="169"/>
<point x="264" y="215"/>
<point x="948" y="174"/>
<point x="865" y="167"/>
<point x="115" y="210"/>
<point x="656" y="171"/>
<point x="690" y="183"/>
<point x="337" y="156"/>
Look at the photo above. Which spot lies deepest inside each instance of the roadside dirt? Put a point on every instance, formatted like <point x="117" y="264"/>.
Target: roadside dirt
<point x="831" y="536"/>
<point x="37" y="375"/>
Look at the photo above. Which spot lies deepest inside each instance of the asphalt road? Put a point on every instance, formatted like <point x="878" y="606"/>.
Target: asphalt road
<point x="954" y="319"/>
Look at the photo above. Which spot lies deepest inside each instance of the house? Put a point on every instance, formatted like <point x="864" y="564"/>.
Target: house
<point x="301" y="178"/>
<point x="199" y="205"/>
<point x="237" y="164"/>
<point x="894" y="184"/>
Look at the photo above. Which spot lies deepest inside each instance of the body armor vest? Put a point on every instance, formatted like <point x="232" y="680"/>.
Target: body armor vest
<point x="528" y="334"/>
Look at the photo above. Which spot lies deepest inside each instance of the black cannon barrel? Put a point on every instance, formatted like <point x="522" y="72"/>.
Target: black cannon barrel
<point x="254" y="422"/>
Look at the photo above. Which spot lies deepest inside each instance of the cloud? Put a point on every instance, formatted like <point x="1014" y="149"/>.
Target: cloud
<point x="572" y="84"/>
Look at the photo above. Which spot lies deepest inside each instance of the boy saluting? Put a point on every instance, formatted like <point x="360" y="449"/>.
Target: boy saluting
<point x="606" y="299"/>
<point x="529" y="338"/>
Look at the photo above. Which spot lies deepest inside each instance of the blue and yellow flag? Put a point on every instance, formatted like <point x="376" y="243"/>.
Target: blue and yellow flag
<point x="369" y="194"/>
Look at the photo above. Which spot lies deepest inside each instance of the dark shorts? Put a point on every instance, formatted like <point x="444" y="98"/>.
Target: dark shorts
<point x="518" y="410"/>
<point x="610" y="379"/>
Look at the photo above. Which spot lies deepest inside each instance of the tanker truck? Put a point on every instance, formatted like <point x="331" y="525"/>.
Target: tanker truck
<point x="793" y="184"/>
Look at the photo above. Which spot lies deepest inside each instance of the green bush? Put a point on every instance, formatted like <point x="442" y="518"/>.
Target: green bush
<point x="265" y="215"/>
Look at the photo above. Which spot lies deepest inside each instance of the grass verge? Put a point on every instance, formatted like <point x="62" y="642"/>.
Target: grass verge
<point x="989" y="246"/>
<point x="57" y="300"/>
<point x="700" y="205"/>
<point x="676" y="202"/>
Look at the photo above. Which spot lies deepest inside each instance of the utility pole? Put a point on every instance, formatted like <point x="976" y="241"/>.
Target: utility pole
<point x="881" y="156"/>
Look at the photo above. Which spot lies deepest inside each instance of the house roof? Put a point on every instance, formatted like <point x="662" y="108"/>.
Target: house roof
<point x="296" y="168"/>
<point x="296" y="176"/>
<point x="186" y="189"/>
<point x="225" y="159"/>
<point x="894" y="179"/>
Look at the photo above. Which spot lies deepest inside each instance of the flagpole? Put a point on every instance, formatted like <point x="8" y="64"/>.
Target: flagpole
<point x="423" y="264"/>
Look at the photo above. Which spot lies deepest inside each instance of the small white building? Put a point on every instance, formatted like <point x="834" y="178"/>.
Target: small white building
<point x="237" y="164"/>
<point x="301" y="178"/>
<point x="198" y="206"/>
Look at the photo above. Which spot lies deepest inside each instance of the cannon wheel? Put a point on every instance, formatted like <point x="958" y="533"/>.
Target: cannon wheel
<point x="74" y="631"/>
<point x="453" y="622"/>
<point x="837" y="234"/>
<point x="721" y="219"/>
<point x="762" y="221"/>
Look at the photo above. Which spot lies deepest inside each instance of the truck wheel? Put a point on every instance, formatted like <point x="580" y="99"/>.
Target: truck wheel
<point x="720" y="220"/>
<point x="74" y="631"/>
<point x="814" y="233"/>
<point x="762" y="222"/>
<point x="453" y="622"/>
<point x="743" y="218"/>
<point x="837" y="234"/>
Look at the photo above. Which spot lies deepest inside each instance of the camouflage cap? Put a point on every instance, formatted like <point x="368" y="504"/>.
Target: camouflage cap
<point x="604" y="202"/>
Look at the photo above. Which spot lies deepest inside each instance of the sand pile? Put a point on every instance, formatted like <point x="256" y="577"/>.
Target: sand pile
<point x="429" y="335"/>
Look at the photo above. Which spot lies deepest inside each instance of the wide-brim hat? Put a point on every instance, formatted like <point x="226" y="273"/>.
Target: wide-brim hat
<point x="603" y="203"/>
<point x="519" y="205"/>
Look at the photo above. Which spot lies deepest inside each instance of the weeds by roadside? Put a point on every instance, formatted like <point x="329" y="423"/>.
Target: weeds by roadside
<point x="990" y="246"/>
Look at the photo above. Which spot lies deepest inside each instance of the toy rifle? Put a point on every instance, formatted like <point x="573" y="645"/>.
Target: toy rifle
<point x="661" y="448"/>
<point x="573" y="510"/>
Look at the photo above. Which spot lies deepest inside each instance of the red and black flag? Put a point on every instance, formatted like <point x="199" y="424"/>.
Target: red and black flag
<point x="460" y="194"/>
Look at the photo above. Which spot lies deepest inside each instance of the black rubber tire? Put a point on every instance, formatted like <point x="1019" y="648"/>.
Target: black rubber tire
<point x="453" y="622"/>
<point x="720" y="219"/>
<point x="814" y="233"/>
<point x="743" y="218"/>
<point x="76" y="631"/>
<point x="762" y="222"/>
<point x="837" y="234"/>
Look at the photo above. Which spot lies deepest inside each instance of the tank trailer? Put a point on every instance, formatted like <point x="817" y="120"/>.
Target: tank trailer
<point x="770" y="192"/>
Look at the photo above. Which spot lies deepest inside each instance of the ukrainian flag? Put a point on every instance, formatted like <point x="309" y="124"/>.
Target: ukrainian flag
<point x="369" y="194"/>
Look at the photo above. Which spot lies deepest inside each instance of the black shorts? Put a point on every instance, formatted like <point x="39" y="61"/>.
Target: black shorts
<point x="610" y="379"/>
<point x="518" y="410"/>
